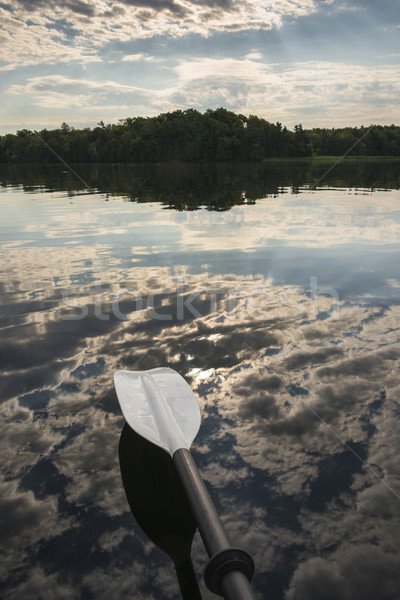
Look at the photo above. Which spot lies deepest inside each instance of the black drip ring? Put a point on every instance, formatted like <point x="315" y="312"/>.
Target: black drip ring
<point x="221" y="563"/>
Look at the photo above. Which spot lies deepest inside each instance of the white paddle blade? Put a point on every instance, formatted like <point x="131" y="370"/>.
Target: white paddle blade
<point x="160" y="406"/>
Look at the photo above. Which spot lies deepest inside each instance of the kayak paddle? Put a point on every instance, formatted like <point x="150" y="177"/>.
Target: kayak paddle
<point x="160" y="406"/>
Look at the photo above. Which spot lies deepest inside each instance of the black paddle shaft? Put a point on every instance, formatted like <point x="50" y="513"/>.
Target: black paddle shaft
<point x="229" y="569"/>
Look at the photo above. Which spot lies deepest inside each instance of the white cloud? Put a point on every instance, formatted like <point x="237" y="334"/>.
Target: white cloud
<point x="254" y="56"/>
<point x="314" y="93"/>
<point x="32" y="36"/>
<point x="136" y="57"/>
<point x="57" y="91"/>
<point x="37" y="41"/>
<point x="317" y="92"/>
<point x="60" y="83"/>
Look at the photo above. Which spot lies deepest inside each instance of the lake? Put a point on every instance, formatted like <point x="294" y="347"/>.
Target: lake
<point x="274" y="289"/>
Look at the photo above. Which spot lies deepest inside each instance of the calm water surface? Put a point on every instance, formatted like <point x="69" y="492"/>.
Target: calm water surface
<point x="279" y="303"/>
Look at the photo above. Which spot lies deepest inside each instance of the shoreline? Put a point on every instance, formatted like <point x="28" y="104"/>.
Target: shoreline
<point x="291" y="159"/>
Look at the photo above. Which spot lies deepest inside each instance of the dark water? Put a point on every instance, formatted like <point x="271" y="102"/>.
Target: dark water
<point x="278" y="302"/>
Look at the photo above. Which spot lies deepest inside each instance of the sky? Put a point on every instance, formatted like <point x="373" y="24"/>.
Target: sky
<point x="322" y="63"/>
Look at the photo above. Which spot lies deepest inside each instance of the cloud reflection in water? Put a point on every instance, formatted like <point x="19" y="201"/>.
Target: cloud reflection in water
<point x="264" y="356"/>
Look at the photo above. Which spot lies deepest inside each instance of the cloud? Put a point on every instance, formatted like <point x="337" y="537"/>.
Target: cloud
<point x="301" y="359"/>
<point x="38" y="32"/>
<point x="58" y="91"/>
<point x="286" y="487"/>
<point x="36" y="581"/>
<point x="27" y="521"/>
<point x="337" y="511"/>
<point x="37" y="40"/>
<point x="24" y="515"/>
<point x="368" y="366"/>
<point x="136" y="57"/>
<point x="49" y="83"/>
<point x="354" y="572"/>
<point x="321" y="91"/>
<point x="75" y="6"/>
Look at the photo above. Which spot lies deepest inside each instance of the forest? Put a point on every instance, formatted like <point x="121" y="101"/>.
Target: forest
<point x="189" y="135"/>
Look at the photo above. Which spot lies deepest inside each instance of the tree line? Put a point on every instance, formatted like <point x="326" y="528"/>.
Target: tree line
<point x="191" y="136"/>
